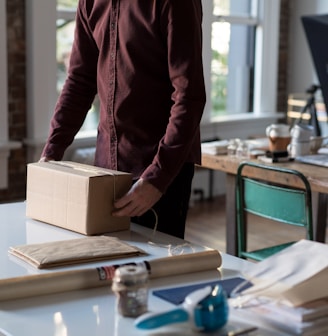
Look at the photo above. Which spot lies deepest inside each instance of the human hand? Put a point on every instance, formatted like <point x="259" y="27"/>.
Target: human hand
<point x="139" y="199"/>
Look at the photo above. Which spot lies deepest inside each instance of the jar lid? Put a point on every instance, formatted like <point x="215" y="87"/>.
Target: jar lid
<point x="131" y="274"/>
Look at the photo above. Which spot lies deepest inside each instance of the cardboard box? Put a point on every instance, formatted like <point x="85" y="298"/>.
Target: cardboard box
<point x="75" y="196"/>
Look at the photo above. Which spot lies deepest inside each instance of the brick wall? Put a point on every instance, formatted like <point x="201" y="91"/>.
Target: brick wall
<point x="283" y="56"/>
<point x="16" y="99"/>
<point x="17" y="90"/>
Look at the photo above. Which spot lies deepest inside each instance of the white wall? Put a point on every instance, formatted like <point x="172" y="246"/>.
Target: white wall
<point x="41" y="73"/>
<point x="301" y="69"/>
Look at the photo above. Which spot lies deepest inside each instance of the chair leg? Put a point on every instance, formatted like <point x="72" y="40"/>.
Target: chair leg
<point x="320" y="204"/>
<point x="231" y="218"/>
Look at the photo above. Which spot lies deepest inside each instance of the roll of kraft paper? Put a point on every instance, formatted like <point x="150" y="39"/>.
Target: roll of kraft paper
<point x="64" y="281"/>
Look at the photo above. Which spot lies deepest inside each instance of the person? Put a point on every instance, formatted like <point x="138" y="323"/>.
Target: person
<point x="144" y="60"/>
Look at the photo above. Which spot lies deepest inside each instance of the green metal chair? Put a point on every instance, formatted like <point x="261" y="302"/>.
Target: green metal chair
<point x="278" y="202"/>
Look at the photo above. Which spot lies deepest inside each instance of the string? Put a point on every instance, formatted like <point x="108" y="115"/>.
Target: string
<point x="172" y="249"/>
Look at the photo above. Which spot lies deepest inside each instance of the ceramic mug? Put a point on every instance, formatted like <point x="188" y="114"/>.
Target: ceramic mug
<point x="279" y="137"/>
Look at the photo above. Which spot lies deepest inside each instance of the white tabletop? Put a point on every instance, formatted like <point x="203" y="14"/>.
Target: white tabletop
<point x="93" y="311"/>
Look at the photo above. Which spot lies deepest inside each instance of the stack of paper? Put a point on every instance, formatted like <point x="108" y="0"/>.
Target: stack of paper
<point x="215" y="147"/>
<point x="259" y="143"/>
<point x="308" y="319"/>
<point x="289" y="290"/>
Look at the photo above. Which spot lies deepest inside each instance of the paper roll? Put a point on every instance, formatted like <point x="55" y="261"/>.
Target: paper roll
<point x="185" y="263"/>
<point x="64" y="281"/>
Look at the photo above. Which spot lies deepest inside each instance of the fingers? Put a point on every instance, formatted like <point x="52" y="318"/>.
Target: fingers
<point x="131" y="206"/>
<point x="128" y="206"/>
<point x="140" y="198"/>
<point x="130" y="210"/>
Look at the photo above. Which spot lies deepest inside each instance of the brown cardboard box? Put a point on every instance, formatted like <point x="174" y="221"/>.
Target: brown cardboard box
<point x="75" y="196"/>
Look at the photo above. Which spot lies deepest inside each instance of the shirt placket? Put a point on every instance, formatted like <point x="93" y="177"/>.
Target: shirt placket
<point x="112" y="82"/>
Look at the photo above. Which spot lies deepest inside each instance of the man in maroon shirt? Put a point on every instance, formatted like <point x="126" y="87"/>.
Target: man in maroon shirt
<point x="144" y="60"/>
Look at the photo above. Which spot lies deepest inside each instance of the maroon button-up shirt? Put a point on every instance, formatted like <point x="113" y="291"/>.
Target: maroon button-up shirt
<point x="144" y="59"/>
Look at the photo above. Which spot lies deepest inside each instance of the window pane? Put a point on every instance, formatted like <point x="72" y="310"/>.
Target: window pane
<point x="232" y="68"/>
<point x="221" y="7"/>
<point x="232" y="64"/>
<point x="219" y="66"/>
<point x="232" y="7"/>
<point x="65" y="36"/>
<point x="66" y="4"/>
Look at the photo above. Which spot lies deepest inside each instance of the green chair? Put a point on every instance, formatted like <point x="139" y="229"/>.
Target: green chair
<point x="278" y="202"/>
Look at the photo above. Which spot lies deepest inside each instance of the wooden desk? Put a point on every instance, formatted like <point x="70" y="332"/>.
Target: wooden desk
<point x="317" y="176"/>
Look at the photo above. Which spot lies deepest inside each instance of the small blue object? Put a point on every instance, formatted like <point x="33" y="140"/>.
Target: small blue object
<point x="152" y="321"/>
<point x="206" y="308"/>
<point x="212" y="313"/>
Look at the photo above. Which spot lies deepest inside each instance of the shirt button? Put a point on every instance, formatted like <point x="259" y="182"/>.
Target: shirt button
<point x="113" y="139"/>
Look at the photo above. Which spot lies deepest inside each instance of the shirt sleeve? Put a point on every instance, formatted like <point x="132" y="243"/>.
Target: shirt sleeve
<point x="181" y="24"/>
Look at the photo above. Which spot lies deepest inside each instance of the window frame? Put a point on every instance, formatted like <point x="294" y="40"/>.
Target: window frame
<point x="266" y="55"/>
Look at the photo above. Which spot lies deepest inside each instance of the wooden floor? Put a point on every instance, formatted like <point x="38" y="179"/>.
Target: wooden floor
<point x="206" y="224"/>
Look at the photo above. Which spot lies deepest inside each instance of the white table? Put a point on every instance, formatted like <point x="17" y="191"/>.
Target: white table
<point x="93" y="311"/>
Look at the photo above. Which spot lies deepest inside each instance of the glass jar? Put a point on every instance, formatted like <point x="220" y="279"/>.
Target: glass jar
<point x="232" y="147"/>
<point x="242" y="150"/>
<point x="130" y="284"/>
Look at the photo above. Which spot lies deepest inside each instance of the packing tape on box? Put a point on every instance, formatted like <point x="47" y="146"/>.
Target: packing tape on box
<point x="88" y="169"/>
<point x="64" y="281"/>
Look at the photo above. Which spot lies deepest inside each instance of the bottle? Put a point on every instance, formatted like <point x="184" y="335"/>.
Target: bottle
<point x="232" y="147"/>
<point x="242" y="150"/>
<point x="130" y="284"/>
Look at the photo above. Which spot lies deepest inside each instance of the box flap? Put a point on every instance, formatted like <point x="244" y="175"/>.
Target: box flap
<point x="78" y="168"/>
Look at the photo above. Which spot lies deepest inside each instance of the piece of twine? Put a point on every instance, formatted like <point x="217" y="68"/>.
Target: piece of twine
<point x="173" y="249"/>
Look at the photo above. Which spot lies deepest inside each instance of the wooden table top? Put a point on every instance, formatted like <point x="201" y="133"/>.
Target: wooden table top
<point x="317" y="176"/>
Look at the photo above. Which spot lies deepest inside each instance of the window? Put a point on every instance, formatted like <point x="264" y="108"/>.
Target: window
<point x="232" y="65"/>
<point x="237" y="29"/>
<point x="66" y="10"/>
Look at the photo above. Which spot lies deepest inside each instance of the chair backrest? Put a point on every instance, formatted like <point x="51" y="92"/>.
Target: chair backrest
<point x="279" y="202"/>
